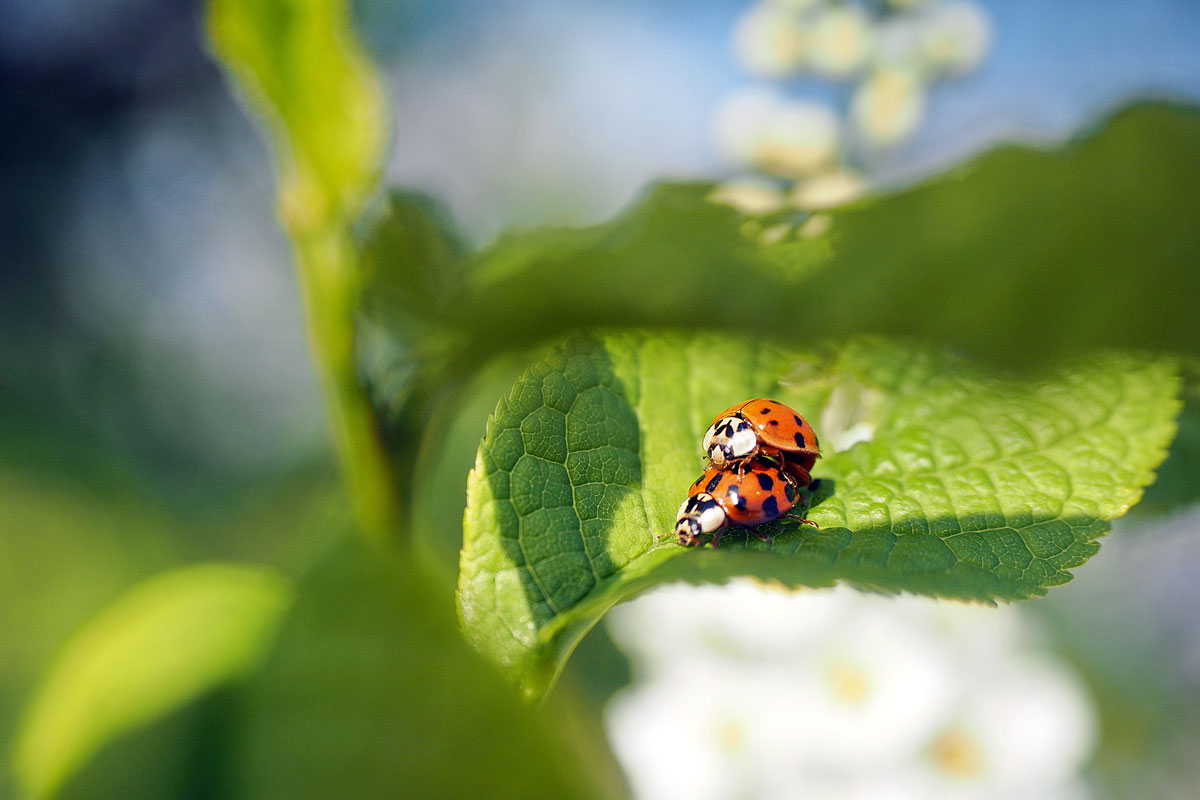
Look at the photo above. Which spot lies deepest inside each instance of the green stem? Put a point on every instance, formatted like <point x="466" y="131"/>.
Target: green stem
<point x="330" y="286"/>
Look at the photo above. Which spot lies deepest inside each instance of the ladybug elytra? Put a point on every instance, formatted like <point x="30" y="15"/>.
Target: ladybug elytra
<point x="760" y="493"/>
<point x="763" y="427"/>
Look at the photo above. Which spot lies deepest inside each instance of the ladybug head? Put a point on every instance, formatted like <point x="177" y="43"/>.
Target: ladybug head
<point x="730" y="440"/>
<point x="699" y="514"/>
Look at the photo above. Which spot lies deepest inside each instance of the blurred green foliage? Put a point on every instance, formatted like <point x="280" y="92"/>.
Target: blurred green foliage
<point x="1023" y="257"/>
<point x="302" y="68"/>
<point x="372" y="692"/>
<point x="304" y="75"/>
<point x="76" y="533"/>
<point x="160" y="645"/>
<point x="1027" y="256"/>
<point x="1030" y="256"/>
<point x="404" y="690"/>
<point x="1176" y="485"/>
<point x="65" y="550"/>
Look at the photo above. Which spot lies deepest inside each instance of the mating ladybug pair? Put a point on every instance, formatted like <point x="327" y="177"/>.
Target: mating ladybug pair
<point x="761" y="454"/>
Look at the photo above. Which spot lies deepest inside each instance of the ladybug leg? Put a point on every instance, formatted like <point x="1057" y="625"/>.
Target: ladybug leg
<point x="717" y="536"/>
<point x="789" y="477"/>
<point x="799" y="474"/>
<point x="803" y="520"/>
<point x="766" y="537"/>
<point x="797" y="482"/>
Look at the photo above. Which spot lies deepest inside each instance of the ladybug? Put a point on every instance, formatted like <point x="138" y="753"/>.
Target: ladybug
<point x="720" y="496"/>
<point x="763" y="427"/>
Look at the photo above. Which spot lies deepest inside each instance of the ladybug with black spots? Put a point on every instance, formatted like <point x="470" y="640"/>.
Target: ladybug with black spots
<point x="720" y="497"/>
<point x="762" y="427"/>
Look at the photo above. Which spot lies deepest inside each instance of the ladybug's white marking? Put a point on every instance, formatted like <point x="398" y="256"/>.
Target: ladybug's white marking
<point x="730" y="439"/>
<point x="700" y="513"/>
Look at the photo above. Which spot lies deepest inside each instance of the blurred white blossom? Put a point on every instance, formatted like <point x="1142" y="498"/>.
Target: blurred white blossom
<point x="827" y="190"/>
<point x="739" y="122"/>
<point x="796" y="140"/>
<point x="759" y="128"/>
<point x="888" y="106"/>
<point x="841" y="41"/>
<point x="956" y="37"/>
<point x="749" y="196"/>
<point x="899" y="42"/>
<point x="770" y="42"/>
<point x="745" y="691"/>
<point x="891" y="55"/>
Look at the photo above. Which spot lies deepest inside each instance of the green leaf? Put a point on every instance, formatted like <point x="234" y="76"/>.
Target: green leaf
<point x="452" y="435"/>
<point x="156" y="648"/>
<point x="371" y="692"/>
<point x="981" y="258"/>
<point x="67" y="547"/>
<point x="656" y="264"/>
<point x="411" y="258"/>
<point x="301" y="67"/>
<point x="972" y="486"/>
<point x="1176" y="485"/>
<point x="1023" y="257"/>
<point x="1032" y="255"/>
<point x="412" y="254"/>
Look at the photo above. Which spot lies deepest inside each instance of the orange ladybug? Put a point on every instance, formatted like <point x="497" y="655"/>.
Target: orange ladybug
<point x="720" y="496"/>
<point x="763" y="427"/>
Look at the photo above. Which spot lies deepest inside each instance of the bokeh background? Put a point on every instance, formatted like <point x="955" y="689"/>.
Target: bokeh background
<point x="157" y="404"/>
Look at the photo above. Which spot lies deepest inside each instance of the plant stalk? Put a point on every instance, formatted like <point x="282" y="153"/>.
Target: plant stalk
<point x="330" y="287"/>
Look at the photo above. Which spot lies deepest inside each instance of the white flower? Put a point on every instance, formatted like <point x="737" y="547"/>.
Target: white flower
<point x="898" y="42"/>
<point x="770" y="41"/>
<point x="708" y="731"/>
<point x="841" y="41"/>
<point x="734" y="622"/>
<point x="758" y="127"/>
<point x="739" y="121"/>
<point x="744" y="691"/>
<point x="797" y="139"/>
<point x="888" y="106"/>
<point x="752" y="197"/>
<point x="883" y="682"/>
<point x="956" y="37"/>
<point x="1035" y="724"/>
<point x="827" y="190"/>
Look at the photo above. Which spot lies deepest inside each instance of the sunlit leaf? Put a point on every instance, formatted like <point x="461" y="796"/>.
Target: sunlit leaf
<point x="65" y="550"/>
<point x="302" y="68"/>
<point x="1023" y="257"/>
<point x="155" y="649"/>
<point x="971" y="485"/>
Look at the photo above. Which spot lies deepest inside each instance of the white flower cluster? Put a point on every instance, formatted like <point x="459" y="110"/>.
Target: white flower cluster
<point x="890" y="52"/>
<point x="744" y="691"/>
